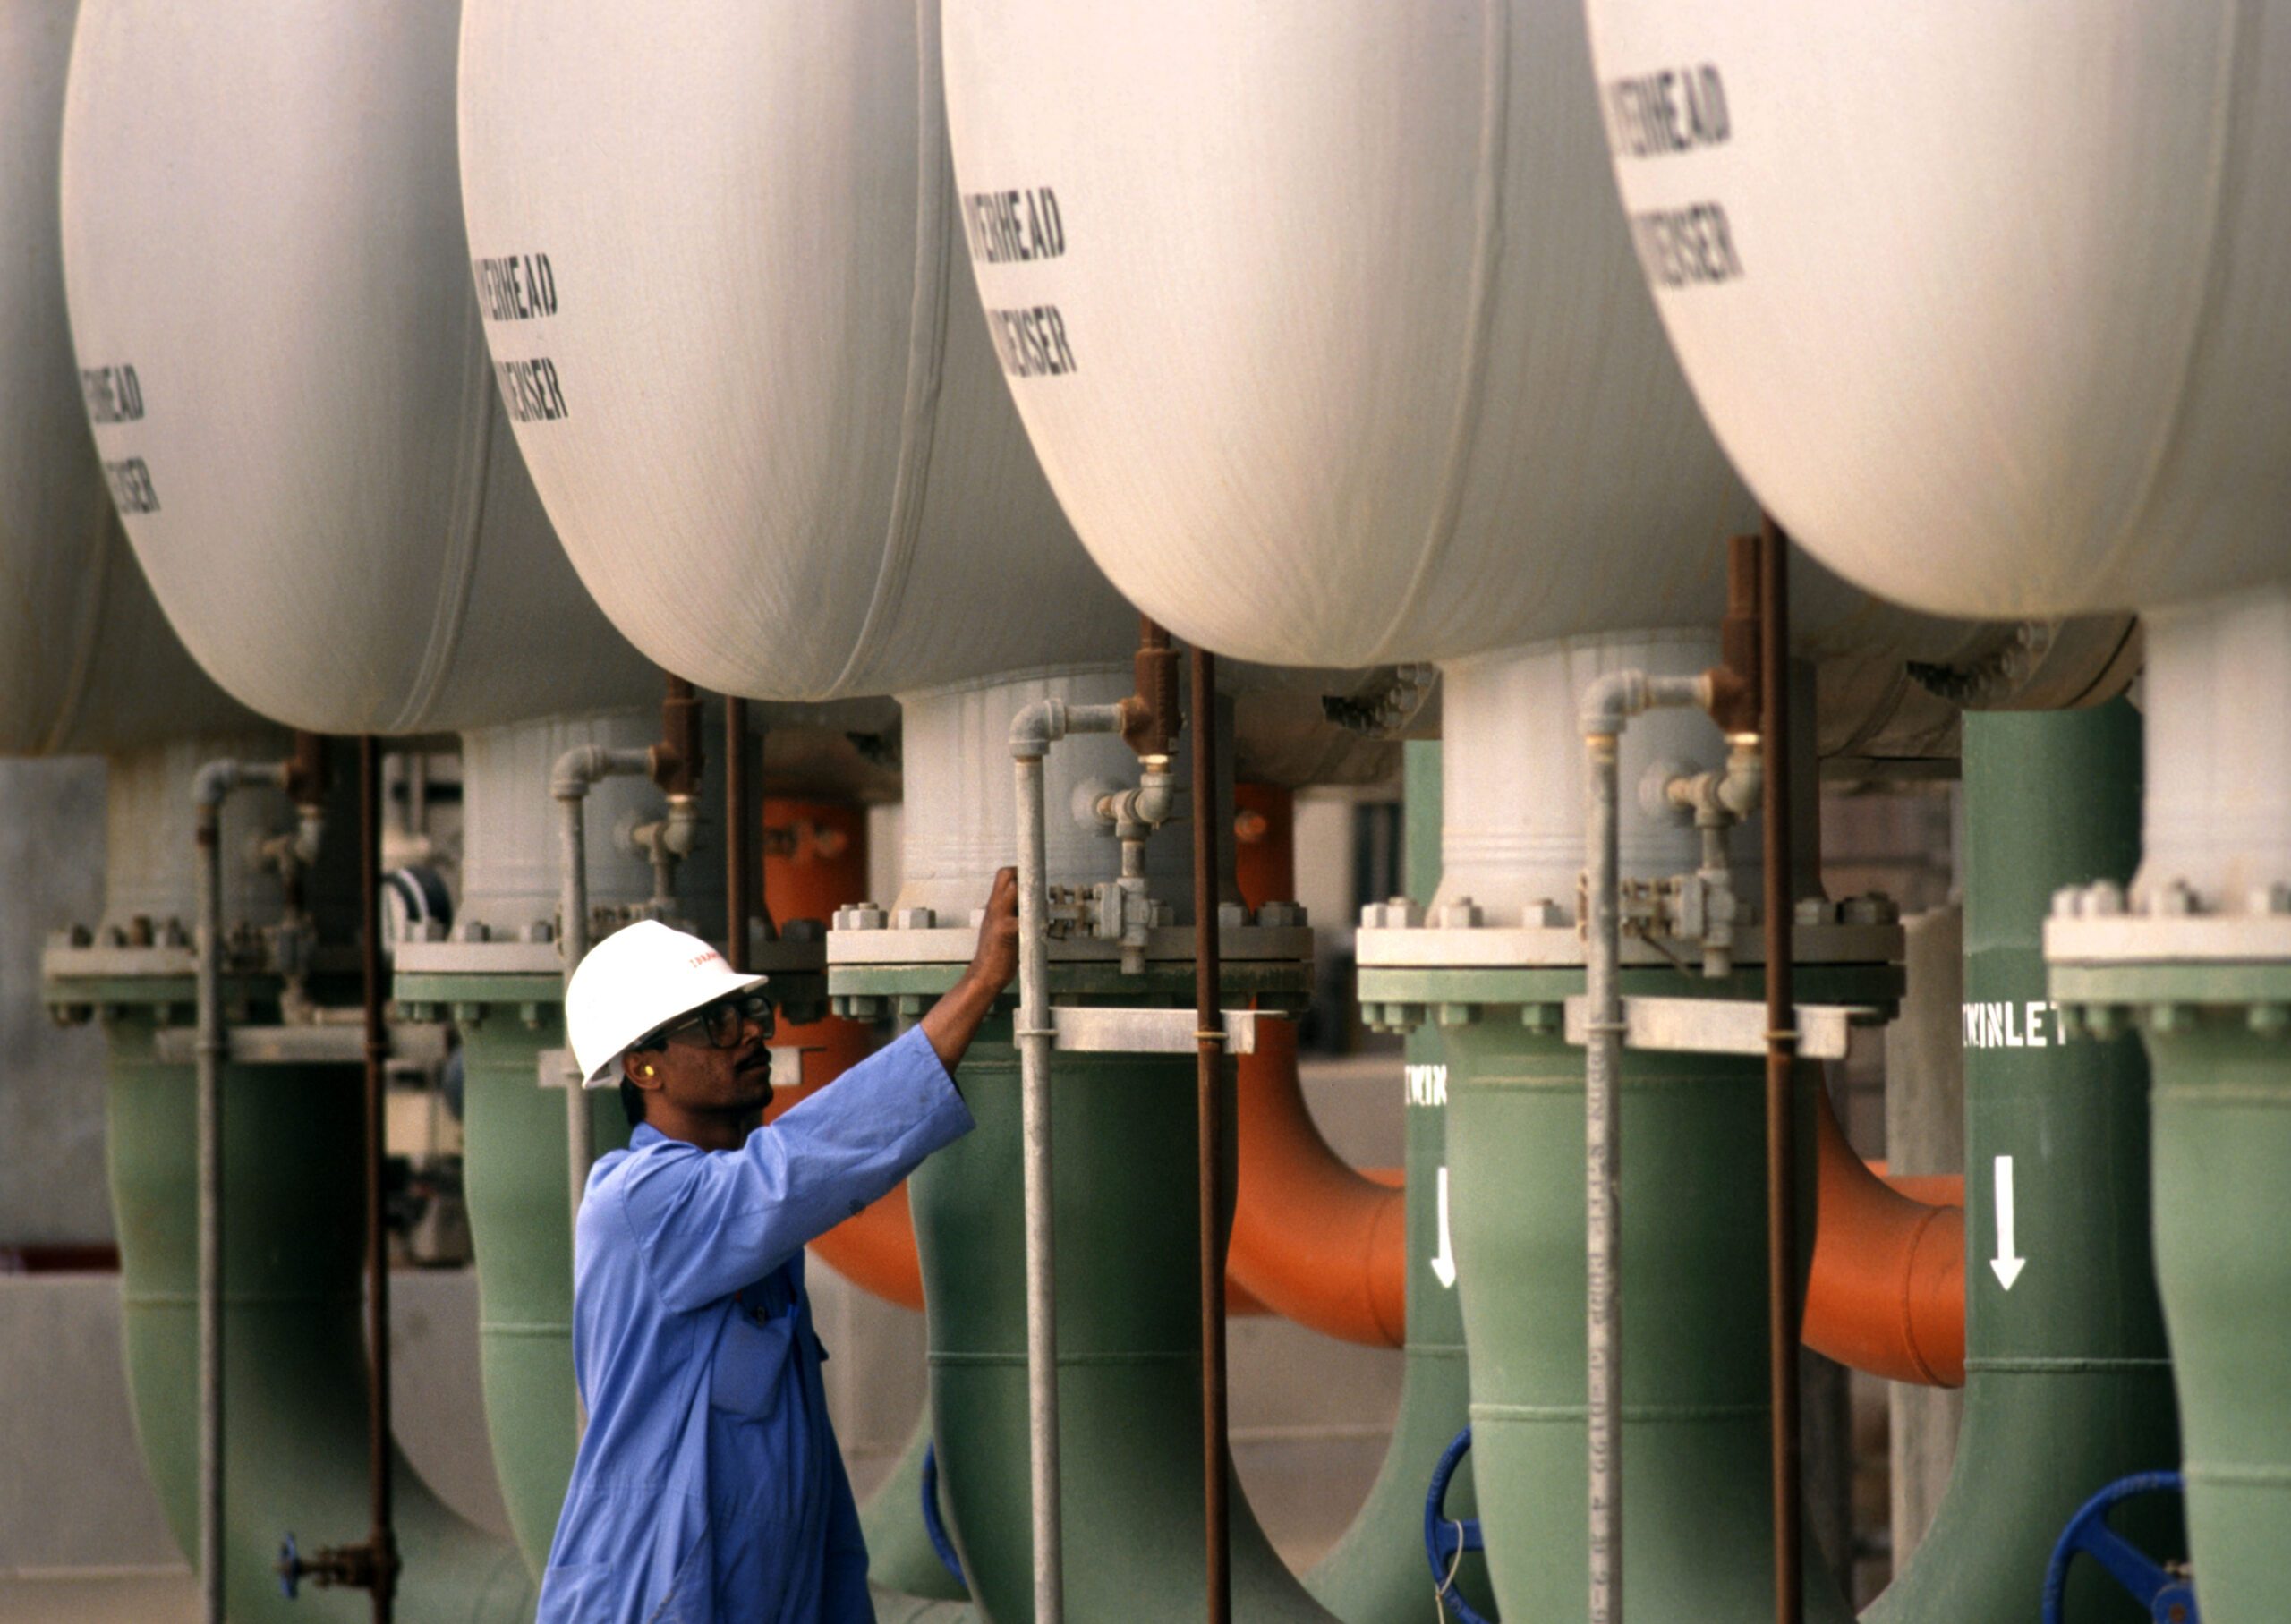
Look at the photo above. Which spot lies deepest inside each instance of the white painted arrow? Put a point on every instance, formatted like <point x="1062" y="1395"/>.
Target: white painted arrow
<point x="2008" y="1262"/>
<point x="1443" y="1263"/>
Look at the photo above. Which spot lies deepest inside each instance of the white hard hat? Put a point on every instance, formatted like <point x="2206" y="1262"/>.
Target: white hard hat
<point x="638" y="979"/>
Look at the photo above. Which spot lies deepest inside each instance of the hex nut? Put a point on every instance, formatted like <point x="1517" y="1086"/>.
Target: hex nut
<point x="1281" y="915"/>
<point x="914" y="919"/>
<point x="803" y="929"/>
<point x="1461" y="914"/>
<point x="1231" y="915"/>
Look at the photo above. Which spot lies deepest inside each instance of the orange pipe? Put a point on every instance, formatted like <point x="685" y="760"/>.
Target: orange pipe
<point x="1886" y="1292"/>
<point x="1316" y="1241"/>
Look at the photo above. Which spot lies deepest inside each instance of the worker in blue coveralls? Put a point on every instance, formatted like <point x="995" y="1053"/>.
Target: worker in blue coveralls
<point x="709" y="1485"/>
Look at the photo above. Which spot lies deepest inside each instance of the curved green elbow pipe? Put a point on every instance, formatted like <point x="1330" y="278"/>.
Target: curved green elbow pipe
<point x="1129" y="1345"/>
<point x="1698" y="1538"/>
<point x="2067" y="1377"/>
<point x="515" y="1181"/>
<point x="294" y="1356"/>
<point x="900" y="1557"/>
<point x="1376" y="1571"/>
<point x="2223" y="1250"/>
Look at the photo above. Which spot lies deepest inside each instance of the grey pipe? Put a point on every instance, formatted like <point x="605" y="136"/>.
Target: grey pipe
<point x="569" y="781"/>
<point x="1608" y="704"/>
<point x="1032" y="733"/>
<point x="209" y="786"/>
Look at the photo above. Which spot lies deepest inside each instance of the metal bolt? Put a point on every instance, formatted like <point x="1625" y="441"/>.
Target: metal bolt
<point x="538" y="931"/>
<point x="1461" y="914"/>
<point x="1541" y="1017"/>
<point x="1544" y="914"/>
<point x="1459" y="1015"/>
<point x="1280" y="915"/>
<point x="430" y="929"/>
<point x="1874" y="908"/>
<point x="2064" y="901"/>
<point x="861" y="916"/>
<point x="2103" y="899"/>
<point x="2269" y="1020"/>
<point x="803" y="929"/>
<point x="473" y="929"/>
<point x="172" y="935"/>
<point x="1164" y="914"/>
<point x="1232" y="916"/>
<point x="2272" y="898"/>
<point x="2173" y="900"/>
<point x="114" y="937"/>
<point x="1811" y="911"/>
<point x="914" y="919"/>
<point x="867" y="1007"/>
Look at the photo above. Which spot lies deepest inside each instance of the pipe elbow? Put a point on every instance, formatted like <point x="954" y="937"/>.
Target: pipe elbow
<point x="571" y="774"/>
<point x="1035" y="728"/>
<point x="1313" y="1239"/>
<point x="1885" y="1292"/>
<point x="212" y="783"/>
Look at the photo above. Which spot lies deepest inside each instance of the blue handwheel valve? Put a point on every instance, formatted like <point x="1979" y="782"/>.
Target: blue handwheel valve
<point x="931" y="1523"/>
<point x="2169" y="1596"/>
<point x="1447" y="1538"/>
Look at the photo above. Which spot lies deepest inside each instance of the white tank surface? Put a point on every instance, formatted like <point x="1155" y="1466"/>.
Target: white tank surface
<point x="262" y="219"/>
<point x="87" y="662"/>
<point x="721" y="262"/>
<point x="1985" y="302"/>
<point x="1346" y="360"/>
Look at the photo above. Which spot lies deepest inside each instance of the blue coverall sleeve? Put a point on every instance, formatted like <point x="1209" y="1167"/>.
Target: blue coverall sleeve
<point x="710" y="1223"/>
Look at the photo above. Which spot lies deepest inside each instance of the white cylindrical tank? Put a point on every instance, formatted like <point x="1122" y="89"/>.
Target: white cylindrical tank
<point x="1985" y="303"/>
<point x="722" y="270"/>
<point x="1359" y="368"/>
<point x="86" y="661"/>
<point x="1351" y="359"/>
<point x="261" y="219"/>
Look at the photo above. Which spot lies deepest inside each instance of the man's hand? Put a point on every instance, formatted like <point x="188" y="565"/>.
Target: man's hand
<point x="995" y="963"/>
<point x="954" y="1020"/>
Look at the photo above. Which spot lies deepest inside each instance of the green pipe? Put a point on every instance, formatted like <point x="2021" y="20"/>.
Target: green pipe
<point x="1698" y="1519"/>
<point x="1376" y="1571"/>
<point x="2223" y="1211"/>
<point x="2068" y="1379"/>
<point x="294" y="1349"/>
<point x="1128" y="1328"/>
<point x="900" y="1557"/>
<point x="514" y="1179"/>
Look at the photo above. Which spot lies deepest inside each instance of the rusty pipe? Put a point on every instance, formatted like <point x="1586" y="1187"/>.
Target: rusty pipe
<point x="381" y="1538"/>
<point x="1209" y="1055"/>
<point x="1781" y="1063"/>
<point x="740" y="835"/>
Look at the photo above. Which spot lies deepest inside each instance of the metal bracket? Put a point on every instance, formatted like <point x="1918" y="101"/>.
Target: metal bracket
<point x="1095" y="1029"/>
<point x="412" y="1042"/>
<point x="1537" y="947"/>
<point x="1716" y="1025"/>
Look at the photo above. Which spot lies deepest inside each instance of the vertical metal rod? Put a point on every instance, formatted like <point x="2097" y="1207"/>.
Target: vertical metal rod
<point x="739" y="834"/>
<point x="1783" y="1313"/>
<point x="1602" y="1338"/>
<point x="212" y="1045"/>
<point x="1209" y="1066"/>
<point x="1032" y="1032"/>
<point x="573" y="856"/>
<point x="381" y="1538"/>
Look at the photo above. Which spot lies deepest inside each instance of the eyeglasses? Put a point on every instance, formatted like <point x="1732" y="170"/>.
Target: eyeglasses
<point x="719" y="1025"/>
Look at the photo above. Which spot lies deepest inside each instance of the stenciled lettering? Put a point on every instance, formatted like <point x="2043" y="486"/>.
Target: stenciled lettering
<point x="1663" y="114"/>
<point x="1031" y="342"/>
<point x="115" y="394"/>
<point x="530" y="390"/>
<point x="1010" y="227"/>
<point x="1428" y="1084"/>
<point x="131" y="486"/>
<point x="517" y="287"/>
<point x="1689" y="247"/>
